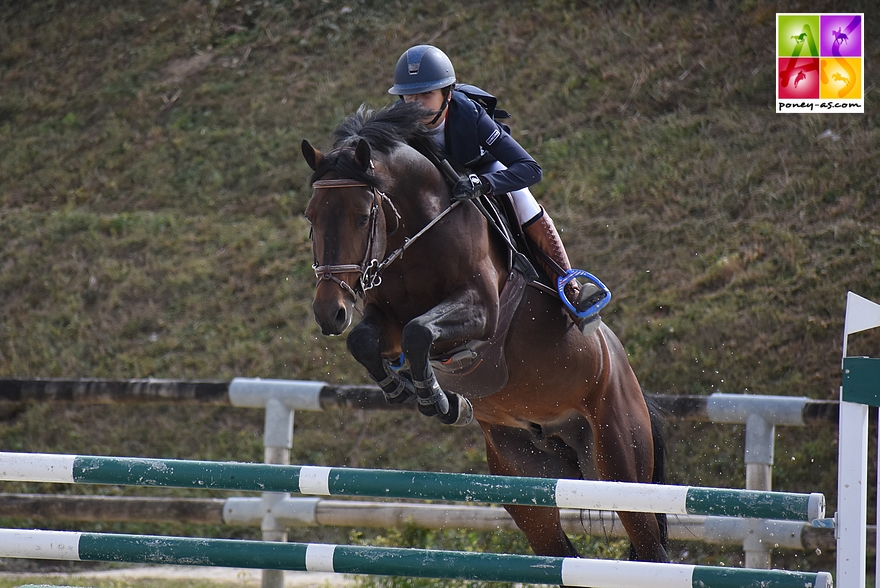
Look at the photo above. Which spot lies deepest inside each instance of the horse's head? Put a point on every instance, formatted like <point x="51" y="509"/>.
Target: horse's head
<point x="350" y="219"/>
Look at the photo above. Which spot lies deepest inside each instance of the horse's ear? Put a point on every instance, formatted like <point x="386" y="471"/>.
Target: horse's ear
<point x="312" y="155"/>
<point x="362" y="154"/>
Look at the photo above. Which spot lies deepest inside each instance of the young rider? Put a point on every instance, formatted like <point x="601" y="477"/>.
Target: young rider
<point x="471" y="138"/>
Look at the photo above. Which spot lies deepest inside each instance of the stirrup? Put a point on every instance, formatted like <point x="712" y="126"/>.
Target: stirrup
<point x="591" y="310"/>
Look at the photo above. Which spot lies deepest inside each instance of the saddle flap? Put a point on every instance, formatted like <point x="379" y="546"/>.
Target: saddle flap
<point x="478" y="368"/>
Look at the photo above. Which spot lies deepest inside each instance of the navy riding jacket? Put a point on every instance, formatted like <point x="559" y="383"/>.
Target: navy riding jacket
<point x="474" y="141"/>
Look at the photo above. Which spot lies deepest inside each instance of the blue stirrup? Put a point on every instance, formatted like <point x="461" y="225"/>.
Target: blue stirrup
<point x="573" y="274"/>
<point x="398" y="364"/>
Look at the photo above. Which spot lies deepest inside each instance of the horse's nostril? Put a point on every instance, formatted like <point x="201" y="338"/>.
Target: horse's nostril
<point x="340" y="316"/>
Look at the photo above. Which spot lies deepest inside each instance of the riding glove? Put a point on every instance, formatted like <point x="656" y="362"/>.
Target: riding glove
<point x="469" y="188"/>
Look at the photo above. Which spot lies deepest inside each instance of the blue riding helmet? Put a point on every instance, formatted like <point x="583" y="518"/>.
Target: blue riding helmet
<point x="421" y="69"/>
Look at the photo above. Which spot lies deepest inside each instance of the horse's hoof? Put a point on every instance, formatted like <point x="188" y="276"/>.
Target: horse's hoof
<point x="461" y="412"/>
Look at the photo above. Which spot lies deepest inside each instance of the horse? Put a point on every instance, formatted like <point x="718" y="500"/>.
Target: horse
<point x="567" y="405"/>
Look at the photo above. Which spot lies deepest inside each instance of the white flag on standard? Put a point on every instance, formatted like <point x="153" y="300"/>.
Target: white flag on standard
<point x="861" y="314"/>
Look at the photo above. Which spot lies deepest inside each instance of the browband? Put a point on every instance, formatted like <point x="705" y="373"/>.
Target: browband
<point x="339" y="184"/>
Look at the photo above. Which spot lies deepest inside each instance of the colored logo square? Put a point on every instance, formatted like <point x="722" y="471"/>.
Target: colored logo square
<point x="797" y="35"/>
<point x="841" y="35"/>
<point x="798" y="78"/>
<point x="820" y="63"/>
<point x="839" y="78"/>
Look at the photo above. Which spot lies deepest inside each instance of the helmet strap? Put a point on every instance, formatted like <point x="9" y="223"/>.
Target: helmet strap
<point x="446" y="93"/>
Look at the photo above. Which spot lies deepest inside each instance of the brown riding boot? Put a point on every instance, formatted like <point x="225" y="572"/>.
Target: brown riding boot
<point x="542" y="232"/>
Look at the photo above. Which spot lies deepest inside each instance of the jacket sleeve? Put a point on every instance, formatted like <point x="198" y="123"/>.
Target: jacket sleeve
<point x="522" y="170"/>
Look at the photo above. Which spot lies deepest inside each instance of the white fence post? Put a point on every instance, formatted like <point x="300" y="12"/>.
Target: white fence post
<point x="277" y="441"/>
<point x="860" y="389"/>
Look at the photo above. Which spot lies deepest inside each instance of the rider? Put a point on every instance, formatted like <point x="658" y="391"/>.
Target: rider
<point x="470" y="137"/>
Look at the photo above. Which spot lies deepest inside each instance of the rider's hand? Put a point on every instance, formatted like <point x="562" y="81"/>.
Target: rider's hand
<point x="469" y="188"/>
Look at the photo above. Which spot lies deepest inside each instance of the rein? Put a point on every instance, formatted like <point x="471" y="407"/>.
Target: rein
<point x="407" y="242"/>
<point x="369" y="270"/>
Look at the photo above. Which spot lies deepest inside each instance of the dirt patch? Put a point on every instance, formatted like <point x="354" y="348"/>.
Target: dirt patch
<point x="180" y="69"/>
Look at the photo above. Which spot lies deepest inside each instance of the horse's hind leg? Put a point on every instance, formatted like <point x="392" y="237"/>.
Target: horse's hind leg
<point x="624" y="449"/>
<point x="513" y="452"/>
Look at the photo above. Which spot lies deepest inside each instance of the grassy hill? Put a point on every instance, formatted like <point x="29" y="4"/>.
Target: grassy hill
<point x="152" y="190"/>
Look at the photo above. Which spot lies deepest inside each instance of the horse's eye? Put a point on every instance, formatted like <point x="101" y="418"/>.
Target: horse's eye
<point x="363" y="220"/>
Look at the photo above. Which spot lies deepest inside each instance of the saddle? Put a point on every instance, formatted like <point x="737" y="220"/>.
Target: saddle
<point x="477" y="369"/>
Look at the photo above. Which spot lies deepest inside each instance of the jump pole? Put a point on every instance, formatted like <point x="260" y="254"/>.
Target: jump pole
<point x="422" y="563"/>
<point x="860" y="389"/>
<point x="327" y="481"/>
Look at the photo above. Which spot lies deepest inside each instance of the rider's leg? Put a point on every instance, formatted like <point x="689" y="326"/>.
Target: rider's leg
<point x="539" y="227"/>
<point x="542" y="232"/>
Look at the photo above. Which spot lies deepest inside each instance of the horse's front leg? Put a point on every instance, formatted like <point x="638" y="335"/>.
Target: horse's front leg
<point x="365" y="345"/>
<point x="459" y="318"/>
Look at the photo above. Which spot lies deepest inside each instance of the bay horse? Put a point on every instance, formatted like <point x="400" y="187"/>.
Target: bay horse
<point x="565" y="405"/>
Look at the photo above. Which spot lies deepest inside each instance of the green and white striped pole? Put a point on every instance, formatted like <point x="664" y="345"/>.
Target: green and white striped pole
<point x="326" y="481"/>
<point x="385" y="561"/>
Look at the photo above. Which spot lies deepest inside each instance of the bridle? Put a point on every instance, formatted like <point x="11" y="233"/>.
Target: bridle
<point x="370" y="268"/>
<point x="369" y="277"/>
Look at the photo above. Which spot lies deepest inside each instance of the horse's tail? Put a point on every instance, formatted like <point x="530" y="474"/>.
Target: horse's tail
<point x="658" y="476"/>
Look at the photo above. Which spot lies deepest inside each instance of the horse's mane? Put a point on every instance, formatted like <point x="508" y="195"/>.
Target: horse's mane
<point x="384" y="130"/>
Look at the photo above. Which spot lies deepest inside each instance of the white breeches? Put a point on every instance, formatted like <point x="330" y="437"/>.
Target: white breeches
<point x="525" y="204"/>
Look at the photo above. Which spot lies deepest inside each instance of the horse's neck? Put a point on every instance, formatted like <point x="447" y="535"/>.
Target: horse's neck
<point x="417" y="189"/>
